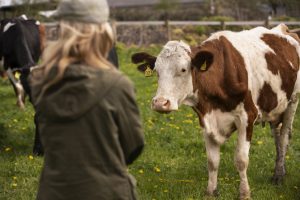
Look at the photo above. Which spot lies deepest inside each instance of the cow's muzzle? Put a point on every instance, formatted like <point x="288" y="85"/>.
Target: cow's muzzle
<point x="161" y="105"/>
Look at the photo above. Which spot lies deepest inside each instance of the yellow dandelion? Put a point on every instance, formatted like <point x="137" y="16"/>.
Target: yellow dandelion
<point x="287" y="157"/>
<point x="166" y="191"/>
<point x="7" y="149"/>
<point x="157" y="170"/>
<point x="150" y="121"/>
<point x="186" y="181"/>
<point x="171" y="125"/>
<point x="30" y="157"/>
<point x="141" y="171"/>
<point x="188" y="121"/>
<point x="15" y="120"/>
<point x="14" y="185"/>
<point x="259" y="142"/>
<point x="14" y="177"/>
<point x="189" y="115"/>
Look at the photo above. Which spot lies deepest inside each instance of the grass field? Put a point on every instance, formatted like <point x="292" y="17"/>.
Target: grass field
<point x="173" y="164"/>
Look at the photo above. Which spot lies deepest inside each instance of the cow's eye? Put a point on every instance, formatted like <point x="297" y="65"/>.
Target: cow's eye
<point x="183" y="70"/>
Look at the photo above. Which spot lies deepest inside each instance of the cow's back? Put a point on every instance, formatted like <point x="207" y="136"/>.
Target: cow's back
<point x="31" y="33"/>
<point x="271" y="58"/>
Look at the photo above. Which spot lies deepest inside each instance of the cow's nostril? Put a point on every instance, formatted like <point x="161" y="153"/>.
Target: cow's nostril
<point x="167" y="103"/>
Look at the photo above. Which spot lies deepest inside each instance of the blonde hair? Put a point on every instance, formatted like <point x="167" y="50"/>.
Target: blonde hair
<point x="77" y="42"/>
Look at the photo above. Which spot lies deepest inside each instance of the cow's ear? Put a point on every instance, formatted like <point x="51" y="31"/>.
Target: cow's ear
<point x="202" y="60"/>
<point x="142" y="67"/>
<point x="147" y="59"/>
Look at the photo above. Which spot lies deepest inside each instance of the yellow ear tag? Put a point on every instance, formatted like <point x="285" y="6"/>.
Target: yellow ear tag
<point x="148" y="72"/>
<point x="17" y="75"/>
<point x="203" y="66"/>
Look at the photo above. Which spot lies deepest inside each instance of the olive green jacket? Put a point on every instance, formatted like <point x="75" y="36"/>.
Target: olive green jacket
<point x="91" y="130"/>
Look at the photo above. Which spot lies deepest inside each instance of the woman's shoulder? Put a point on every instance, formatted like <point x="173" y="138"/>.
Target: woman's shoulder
<point x="119" y="82"/>
<point x="118" y="78"/>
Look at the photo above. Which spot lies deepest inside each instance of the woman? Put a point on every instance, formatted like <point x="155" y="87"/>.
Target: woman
<point x="88" y="118"/>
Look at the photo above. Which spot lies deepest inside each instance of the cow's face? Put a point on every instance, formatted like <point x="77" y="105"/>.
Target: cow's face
<point x="173" y="67"/>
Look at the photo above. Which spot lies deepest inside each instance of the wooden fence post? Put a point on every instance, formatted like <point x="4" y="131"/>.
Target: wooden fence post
<point x="267" y="22"/>
<point x="223" y="25"/>
<point x="167" y="24"/>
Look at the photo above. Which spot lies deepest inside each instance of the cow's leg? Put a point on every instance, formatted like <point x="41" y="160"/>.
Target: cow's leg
<point x="241" y="161"/>
<point x="213" y="160"/>
<point x="20" y="93"/>
<point x="37" y="147"/>
<point x="282" y="133"/>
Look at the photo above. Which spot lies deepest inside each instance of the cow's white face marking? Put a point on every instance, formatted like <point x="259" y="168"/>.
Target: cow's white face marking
<point x="7" y="26"/>
<point x="38" y="23"/>
<point x="173" y="66"/>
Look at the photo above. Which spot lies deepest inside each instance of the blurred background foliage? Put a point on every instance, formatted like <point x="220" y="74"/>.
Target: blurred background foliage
<point x="180" y="9"/>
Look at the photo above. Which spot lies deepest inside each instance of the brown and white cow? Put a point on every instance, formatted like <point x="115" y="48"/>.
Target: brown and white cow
<point x="232" y="80"/>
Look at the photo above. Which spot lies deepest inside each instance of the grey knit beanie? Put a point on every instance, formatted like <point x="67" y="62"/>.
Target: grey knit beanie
<point x="89" y="11"/>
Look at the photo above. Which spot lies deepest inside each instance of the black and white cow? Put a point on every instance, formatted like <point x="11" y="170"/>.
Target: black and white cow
<point x="21" y="45"/>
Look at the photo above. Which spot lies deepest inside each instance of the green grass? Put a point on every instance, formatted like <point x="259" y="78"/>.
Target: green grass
<point x="173" y="164"/>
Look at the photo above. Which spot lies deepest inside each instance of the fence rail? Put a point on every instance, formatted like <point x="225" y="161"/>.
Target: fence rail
<point x="199" y="23"/>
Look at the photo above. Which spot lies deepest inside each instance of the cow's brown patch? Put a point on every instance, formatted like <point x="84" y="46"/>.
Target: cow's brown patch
<point x="224" y="83"/>
<point x="267" y="99"/>
<point x="285" y="61"/>
<point x="251" y="113"/>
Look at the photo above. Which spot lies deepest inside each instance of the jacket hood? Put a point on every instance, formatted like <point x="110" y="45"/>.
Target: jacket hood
<point x="79" y="90"/>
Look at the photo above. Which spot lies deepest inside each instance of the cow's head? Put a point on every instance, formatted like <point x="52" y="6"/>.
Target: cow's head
<point x="173" y="67"/>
